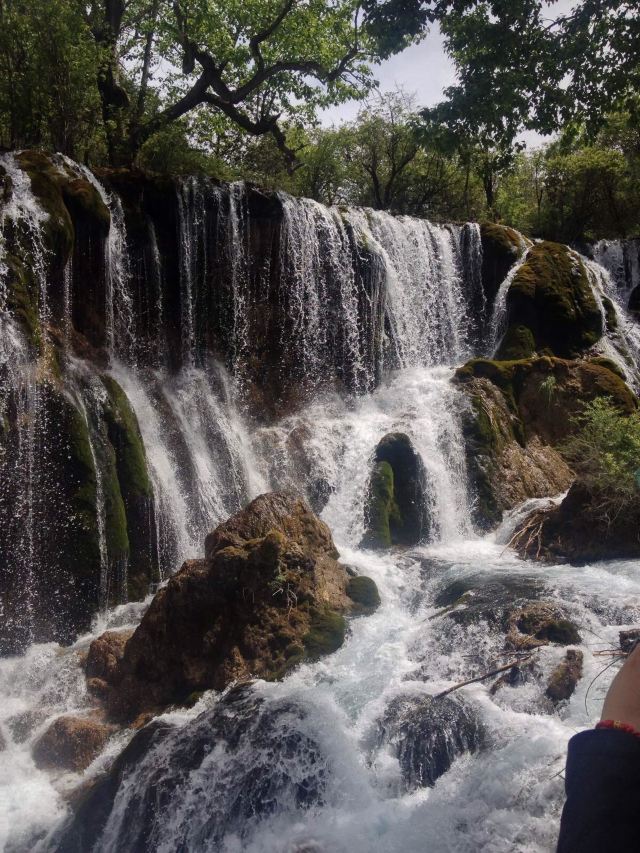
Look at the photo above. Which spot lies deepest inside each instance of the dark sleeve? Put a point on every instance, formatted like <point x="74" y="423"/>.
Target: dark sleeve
<point x="602" y="812"/>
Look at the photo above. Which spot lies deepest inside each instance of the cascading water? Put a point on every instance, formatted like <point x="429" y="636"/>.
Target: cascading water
<point x="375" y="312"/>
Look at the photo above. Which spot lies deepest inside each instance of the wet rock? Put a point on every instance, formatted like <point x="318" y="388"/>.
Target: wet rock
<point x="105" y="654"/>
<point x="564" y="678"/>
<point x="269" y="593"/>
<point x="576" y="531"/>
<point x="514" y="677"/>
<point x="510" y="606"/>
<point x="3" y="743"/>
<point x="629" y="639"/>
<point x="501" y="248"/>
<point x="396" y="510"/>
<point x="519" y="411"/>
<point x="241" y="760"/>
<point x="364" y="592"/>
<point x="539" y="623"/>
<point x="427" y="734"/>
<point x="71" y="743"/>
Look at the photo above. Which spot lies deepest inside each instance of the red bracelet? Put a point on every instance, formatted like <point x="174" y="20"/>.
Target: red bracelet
<point x="616" y="724"/>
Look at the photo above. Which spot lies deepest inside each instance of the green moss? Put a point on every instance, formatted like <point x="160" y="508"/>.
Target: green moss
<point x="326" y="633"/>
<point x="601" y="381"/>
<point x="84" y="200"/>
<point x="560" y="631"/>
<point x="382" y="509"/>
<point x="364" y="592"/>
<point x="551" y="295"/>
<point x="601" y="361"/>
<point x="502" y="238"/>
<point x="83" y="493"/>
<point x="517" y="343"/>
<point x="124" y="434"/>
<point x="22" y="299"/>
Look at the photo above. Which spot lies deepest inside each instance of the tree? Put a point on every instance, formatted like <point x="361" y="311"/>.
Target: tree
<point x="381" y="144"/>
<point x="47" y="77"/>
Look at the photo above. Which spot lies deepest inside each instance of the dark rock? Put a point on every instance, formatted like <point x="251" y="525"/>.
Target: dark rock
<point x="501" y="248"/>
<point x="629" y="639"/>
<point x="266" y="760"/>
<point x="71" y="743"/>
<point x="510" y="606"/>
<point x="396" y="510"/>
<point x="564" y="678"/>
<point x="576" y="531"/>
<point x="427" y="734"/>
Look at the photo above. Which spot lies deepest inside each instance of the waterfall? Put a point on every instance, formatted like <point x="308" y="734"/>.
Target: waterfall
<point x="350" y="323"/>
<point x="498" y="324"/>
<point x="621" y="259"/>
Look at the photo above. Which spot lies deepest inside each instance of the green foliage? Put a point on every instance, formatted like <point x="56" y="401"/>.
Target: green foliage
<point x="605" y="452"/>
<point x="48" y="92"/>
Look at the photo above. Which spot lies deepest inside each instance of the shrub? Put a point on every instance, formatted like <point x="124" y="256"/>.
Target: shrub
<point x="605" y="453"/>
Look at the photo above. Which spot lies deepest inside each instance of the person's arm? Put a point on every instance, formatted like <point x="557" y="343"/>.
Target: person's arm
<point x="602" y="811"/>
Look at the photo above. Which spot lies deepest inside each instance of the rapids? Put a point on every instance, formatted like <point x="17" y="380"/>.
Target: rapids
<point x="309" y="771"/>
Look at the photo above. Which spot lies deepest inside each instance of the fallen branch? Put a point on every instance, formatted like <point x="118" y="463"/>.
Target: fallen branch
<point x="500" y="669"/>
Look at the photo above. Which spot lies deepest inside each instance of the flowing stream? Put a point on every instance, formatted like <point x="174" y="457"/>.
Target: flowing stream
<point x="304" y="764"/>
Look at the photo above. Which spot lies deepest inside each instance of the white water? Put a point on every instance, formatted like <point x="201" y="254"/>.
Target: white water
<point x="206" y="460"/>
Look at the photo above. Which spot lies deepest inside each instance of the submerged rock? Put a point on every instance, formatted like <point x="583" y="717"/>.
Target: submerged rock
<point x="71" y="743"/>
<point x="396" y="510"/>
<point x="269" y="593"/>
<point x="427" y="734"/>
<point x="220" y="773"/>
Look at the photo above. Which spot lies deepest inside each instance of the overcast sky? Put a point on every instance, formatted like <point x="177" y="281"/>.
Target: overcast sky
<point x="424" y="70"/>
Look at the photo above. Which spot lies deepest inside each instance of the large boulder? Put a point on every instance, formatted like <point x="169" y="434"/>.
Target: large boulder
<point x="243" y="759"/>
<point x="519" y="412"/>
<point x="396" y="511"/>
<point x="269" y="593"/>
<point x="551" y="306"/>
<point x="577" y="531"/>
<point x="71" y="743"/>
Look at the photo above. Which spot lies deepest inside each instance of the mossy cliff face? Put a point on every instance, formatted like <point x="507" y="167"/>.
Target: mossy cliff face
<point x="519" y="411"/>
<point x="550" y="306"/>
<point x="135" y="488"/>
<point x="396" y="507"/>
<point x="269" y="594"/>
<point x="57" y="533"/>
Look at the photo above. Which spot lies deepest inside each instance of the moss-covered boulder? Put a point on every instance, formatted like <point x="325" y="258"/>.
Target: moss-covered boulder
<point x="364" y="593"/>
<point x="551" y="297"/>
<point x="519" y="411"/>
<point x="396" y="509"/>
<point x="269" y="594"/>
<point x="501" y="248"/>
<point x="135" y="487"/>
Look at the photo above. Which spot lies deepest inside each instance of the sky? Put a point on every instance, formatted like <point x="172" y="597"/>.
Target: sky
<point x="425" y="70"/>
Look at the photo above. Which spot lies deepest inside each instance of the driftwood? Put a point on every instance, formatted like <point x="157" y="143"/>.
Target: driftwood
<point x="482" y="677"/>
